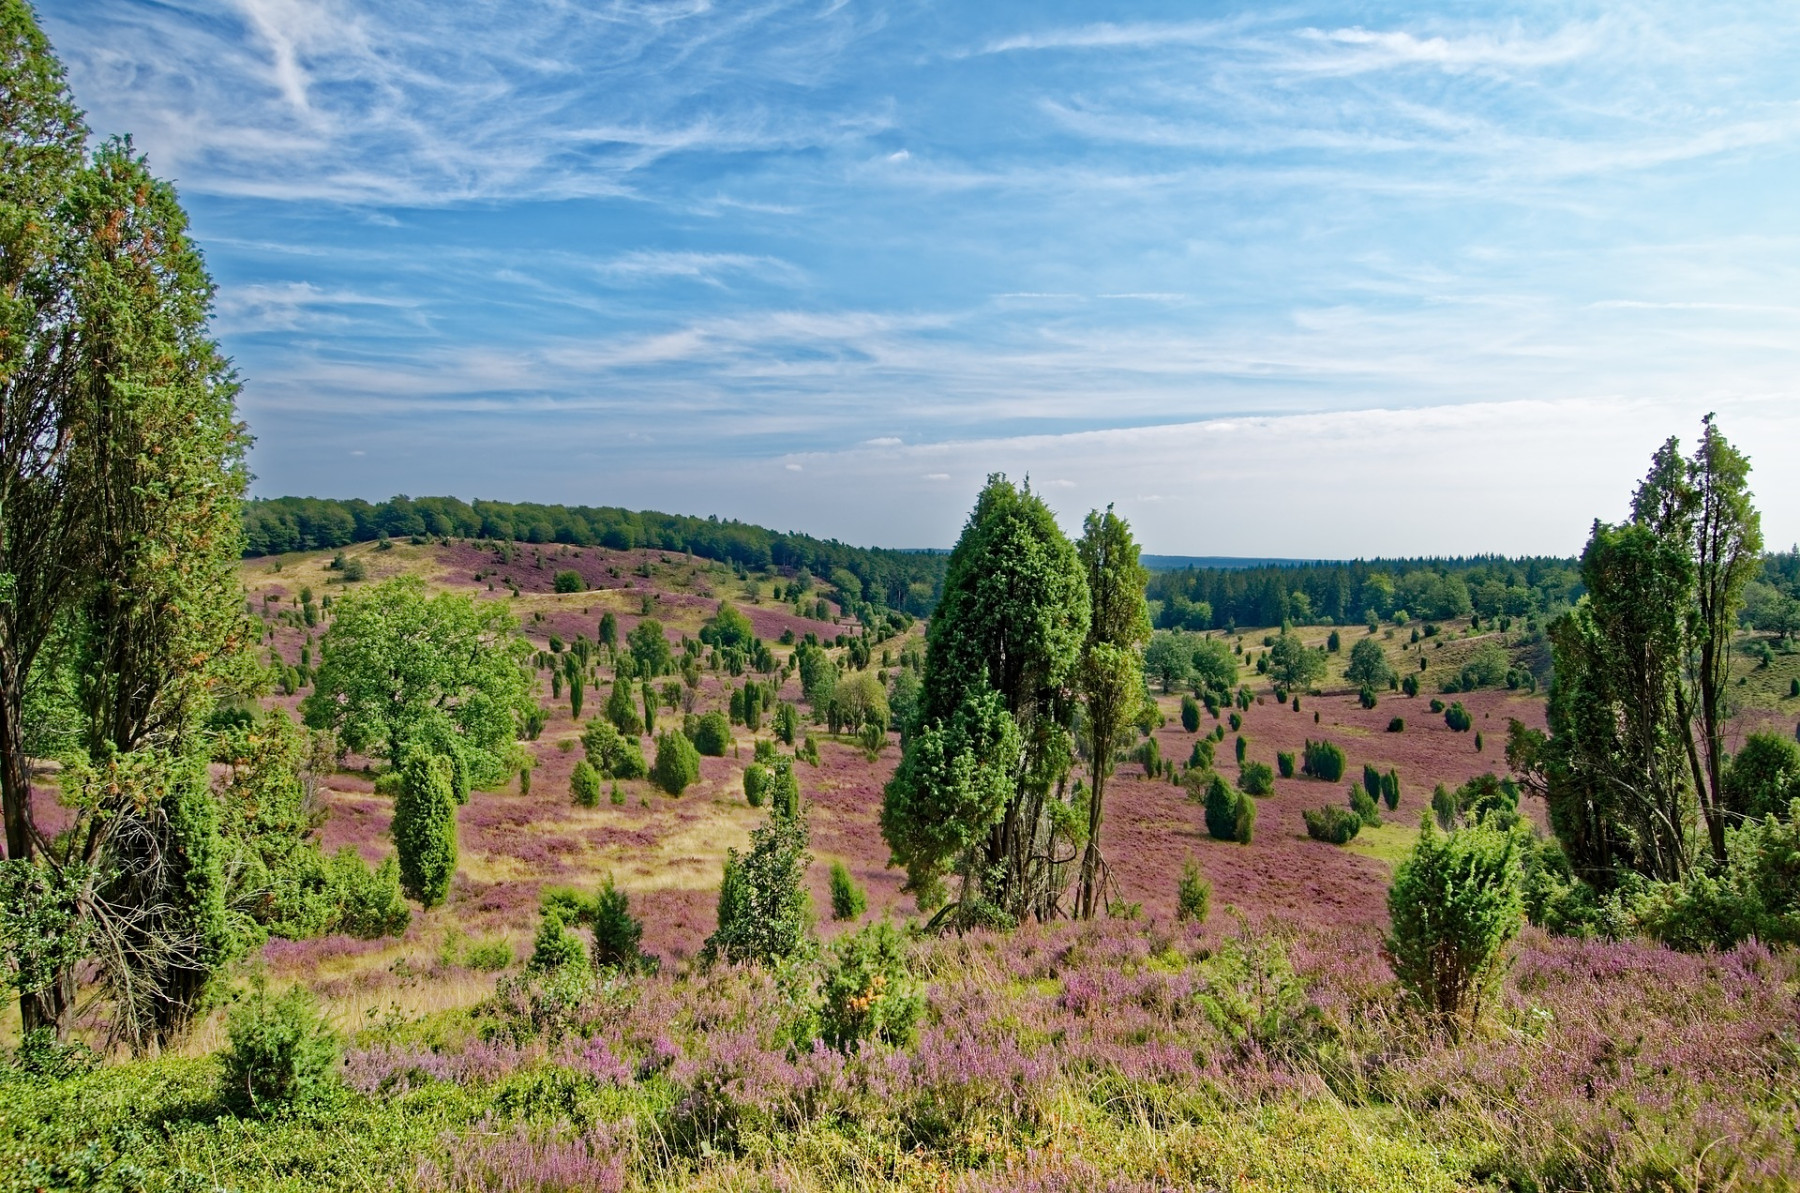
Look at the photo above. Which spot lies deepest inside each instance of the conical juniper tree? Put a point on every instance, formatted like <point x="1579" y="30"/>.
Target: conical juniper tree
<point x="1111" y="672"/>
<point x="120" y="479"/>
<point x="981" y="788"/>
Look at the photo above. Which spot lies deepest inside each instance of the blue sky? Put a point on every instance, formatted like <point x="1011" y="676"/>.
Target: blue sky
<point x="1318" y="279"/>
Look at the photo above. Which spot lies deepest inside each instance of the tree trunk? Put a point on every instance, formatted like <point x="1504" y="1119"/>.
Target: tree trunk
<point x="1086" y="893"/>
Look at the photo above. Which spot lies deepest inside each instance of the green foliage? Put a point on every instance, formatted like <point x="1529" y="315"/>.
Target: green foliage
<point x="650" y="653"/>
<point x="399" y="667"/>
<point x="1459" y="718"/>
<point x="1256" y="778"/>
<point x="584" y="784"/>
<point x="365" y="903"/>
<point x="425" y="827"/>
<point x="1212" y="667"/>
<point x="712" y="734"/>
<point x="1396" y="725"/>
<point x="1455" y="903"/>
<point x="1322" y="760"/>
<point x="1410" y="685"/>
<point x="1333" y="643"/>
<point x="952" y="784"/>
<point x="569" y="581"/>
<point x="786" y="722"/>
<point x="1201" y="756"/>
<point x="677" y="762"/>
<point x="1390" y="789"/>
<point x="1486" y="668"/>
<point x="866" y="991"/>
<point x="1003" y="648"/>
<point x="1764" y="776"/>
<point x="1166" y="660"/>
<point x="1333" y="824"/>
<point x="1254" y="998"/>
<point x="1371" y="780"/>
<point x="764" y="913"/>
<point x="1363" y="804"/>
<point x="618" y="934"/>
<point x="1368" y="664"/>
<point x="1193" y="894"/>
<point x="621" y="711"/>
<point x="1366" y="697"/>
<point x="1284" y="759"/>
<point x="1190" y="714"/>
<point x="281" y="1053"/>
<point x="555" y="947"/>
<point x="1294" y="665"/>
<point x="729" y="629"/>
<point x="756" y="784"/>
<point x="848" y="900"/>
<point x="1755" y="896"/>
<point x="1230" y="815"/>
<point x="612" y="755"/>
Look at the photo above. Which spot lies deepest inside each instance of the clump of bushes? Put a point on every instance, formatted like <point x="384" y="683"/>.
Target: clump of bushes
<point x="1202" y="756"/>
<point x="281" y="1053"/>
<point x="569" y="580"/>
<point x="1459" y="718"/>
<point x="1363" y="804"/>
<point x="1455" y="904"/>
<point x="1284" y="760"/>
<point x="1256" y="778"/>
<point x="764" y="913"/>
<point x="1323" y="760"/>
<point x="677" y="762"/>
<point x="1333" y="824"/>
<point x="1193" y="894"/>
<point x="611" y="753"/>
<point x="1230" y="815"/>
<point x="1366" y="696"/>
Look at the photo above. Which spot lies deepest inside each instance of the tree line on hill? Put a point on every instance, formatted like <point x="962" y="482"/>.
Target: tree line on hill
<point x="1350" y="592"/>
<point x="905" y="580"/>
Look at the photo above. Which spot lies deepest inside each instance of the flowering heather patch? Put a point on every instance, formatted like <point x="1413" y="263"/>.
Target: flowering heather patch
<point x="518" y="1160"/>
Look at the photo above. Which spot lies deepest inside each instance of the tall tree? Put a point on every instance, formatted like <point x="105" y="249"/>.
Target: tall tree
<point x="398" y="667"/>
<point x="1727" y="550"/>
<point x="1011" y="624"/>
<point x="120" y="478"/>
<point x="1111" y="673"/>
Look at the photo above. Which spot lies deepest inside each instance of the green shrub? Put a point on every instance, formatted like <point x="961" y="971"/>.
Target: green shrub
<point x="1363" y="804"/>
<point x="1478" y="741"/>
<point x="712" y="734"/>
<point x="1190" y="714"/>
<point x="1245" y="824"/>
<point x="1443" y="807"/>
<point x="1455" y="904"/>
<point x="1437" y="705"/>
<point x="1237" y="722"/>
<point x="617" y="933"/>
<point x="1256" y="778"/>
<point x="1333" y="824"/>
<point x="369" y="903"/>
<point x="490" y="956"/>
<point x="1284" y="760"/>
<point x="756" y="784"/>
<point x="866" y="991"/>
<point x="1323" y="760"/>
<point x="424" y="827"/>
<point x="280" y="1053"/>
<point x="785" y="723"/>
<point x="677" y="762"/>
<point x="1201" y="757"/>
<point x="617" y="797"/>
<point x="1371" y="780"/>
<point x="848" y="900"/>
<point x="1390" y="789"/>
<point x="611" y="753"/>
<point x="1222" y="809"/>
<point x="1366" y="697"/>
<point x="1239" y="746"/>
<point x="525" y="780"/>
<point x="1458" y="718"/>
<point x="1333" y="643"/>
<point x="1410" y="685"/>
<point x="1763" y="776"/>
<point x="764" y="913"/>
<point x="569" y="581"/>
<point x="555" y="946"/>
<point x="584" y="784"/>
<point x="1193" y="894"/>
<point x="622" y="710"/>
<point x="1397" y="725"/>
